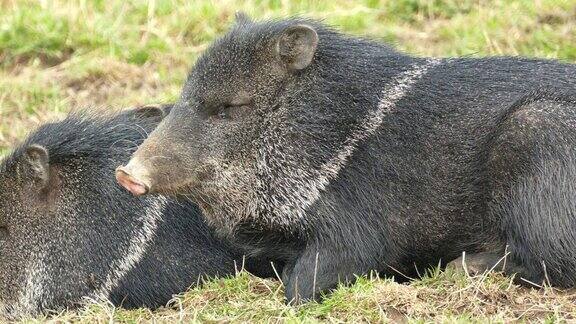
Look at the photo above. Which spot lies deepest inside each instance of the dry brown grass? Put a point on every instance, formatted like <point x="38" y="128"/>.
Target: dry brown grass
<point x="443" y="297"/>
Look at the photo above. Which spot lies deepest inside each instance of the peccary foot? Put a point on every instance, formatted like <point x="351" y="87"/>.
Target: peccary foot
<point x="480" y="263"/>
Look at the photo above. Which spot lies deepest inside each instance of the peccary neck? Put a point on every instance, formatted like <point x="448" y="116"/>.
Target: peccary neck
<point x="349" y="75"/>
<point x="328" y="111"/>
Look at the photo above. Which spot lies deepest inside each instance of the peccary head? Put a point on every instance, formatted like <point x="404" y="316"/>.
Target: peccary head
<point x="260" y="123"/>
<point x="66" y="228"/>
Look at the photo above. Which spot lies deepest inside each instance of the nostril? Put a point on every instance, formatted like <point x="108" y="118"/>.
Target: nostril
<point x="135" y="186"/>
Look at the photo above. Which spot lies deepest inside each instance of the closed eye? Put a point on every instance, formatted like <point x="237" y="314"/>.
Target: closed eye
<point x="230" y="112"/>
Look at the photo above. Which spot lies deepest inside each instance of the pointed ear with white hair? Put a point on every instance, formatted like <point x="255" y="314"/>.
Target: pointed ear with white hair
<point x="296" y="46"/>
<point x="36" y="166"/>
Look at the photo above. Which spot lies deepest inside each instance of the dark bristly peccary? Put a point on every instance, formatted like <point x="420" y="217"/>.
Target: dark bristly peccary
<point x="338" y="155"/>
<point x="68" y="231"/>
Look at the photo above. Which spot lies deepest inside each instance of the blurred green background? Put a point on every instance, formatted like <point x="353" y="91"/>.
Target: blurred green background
<point x="60" y="55"/>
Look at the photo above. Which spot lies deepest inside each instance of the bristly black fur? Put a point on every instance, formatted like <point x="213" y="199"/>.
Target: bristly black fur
<point x="368" y="158"/>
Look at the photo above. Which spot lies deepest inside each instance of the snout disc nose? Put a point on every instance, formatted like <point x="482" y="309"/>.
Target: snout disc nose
<point x="135" y="186"/>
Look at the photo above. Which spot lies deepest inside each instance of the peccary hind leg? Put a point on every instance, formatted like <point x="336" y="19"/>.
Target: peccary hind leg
<point x="533" y="172"/>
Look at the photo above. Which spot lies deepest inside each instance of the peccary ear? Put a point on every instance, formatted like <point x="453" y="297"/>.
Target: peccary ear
<point x="242" y="17"/>
<point x="38" y="165"/>
<point x="297" y="46"/>
<point x="151" y="111"/>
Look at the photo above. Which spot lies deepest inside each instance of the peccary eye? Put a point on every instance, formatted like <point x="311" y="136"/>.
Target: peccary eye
<point x="223" y="113"/>
<point x="230" y="112"/>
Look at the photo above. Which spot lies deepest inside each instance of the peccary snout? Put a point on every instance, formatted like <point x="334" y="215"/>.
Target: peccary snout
<point x="132" y="177"/>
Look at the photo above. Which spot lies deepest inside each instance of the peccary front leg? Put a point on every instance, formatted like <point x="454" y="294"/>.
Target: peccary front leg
<point x="319" y="270"/>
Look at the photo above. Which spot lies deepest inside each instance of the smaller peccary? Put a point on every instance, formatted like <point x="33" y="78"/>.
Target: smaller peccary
<point x="339" y="156"/>
<point x="68" y="231"/>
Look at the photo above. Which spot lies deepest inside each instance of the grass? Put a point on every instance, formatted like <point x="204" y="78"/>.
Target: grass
<point x="438" y="297"/>
<point x="56" y="56"/>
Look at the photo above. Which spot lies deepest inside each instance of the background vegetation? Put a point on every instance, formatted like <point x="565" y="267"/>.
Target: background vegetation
<point x="56" y="56"/>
